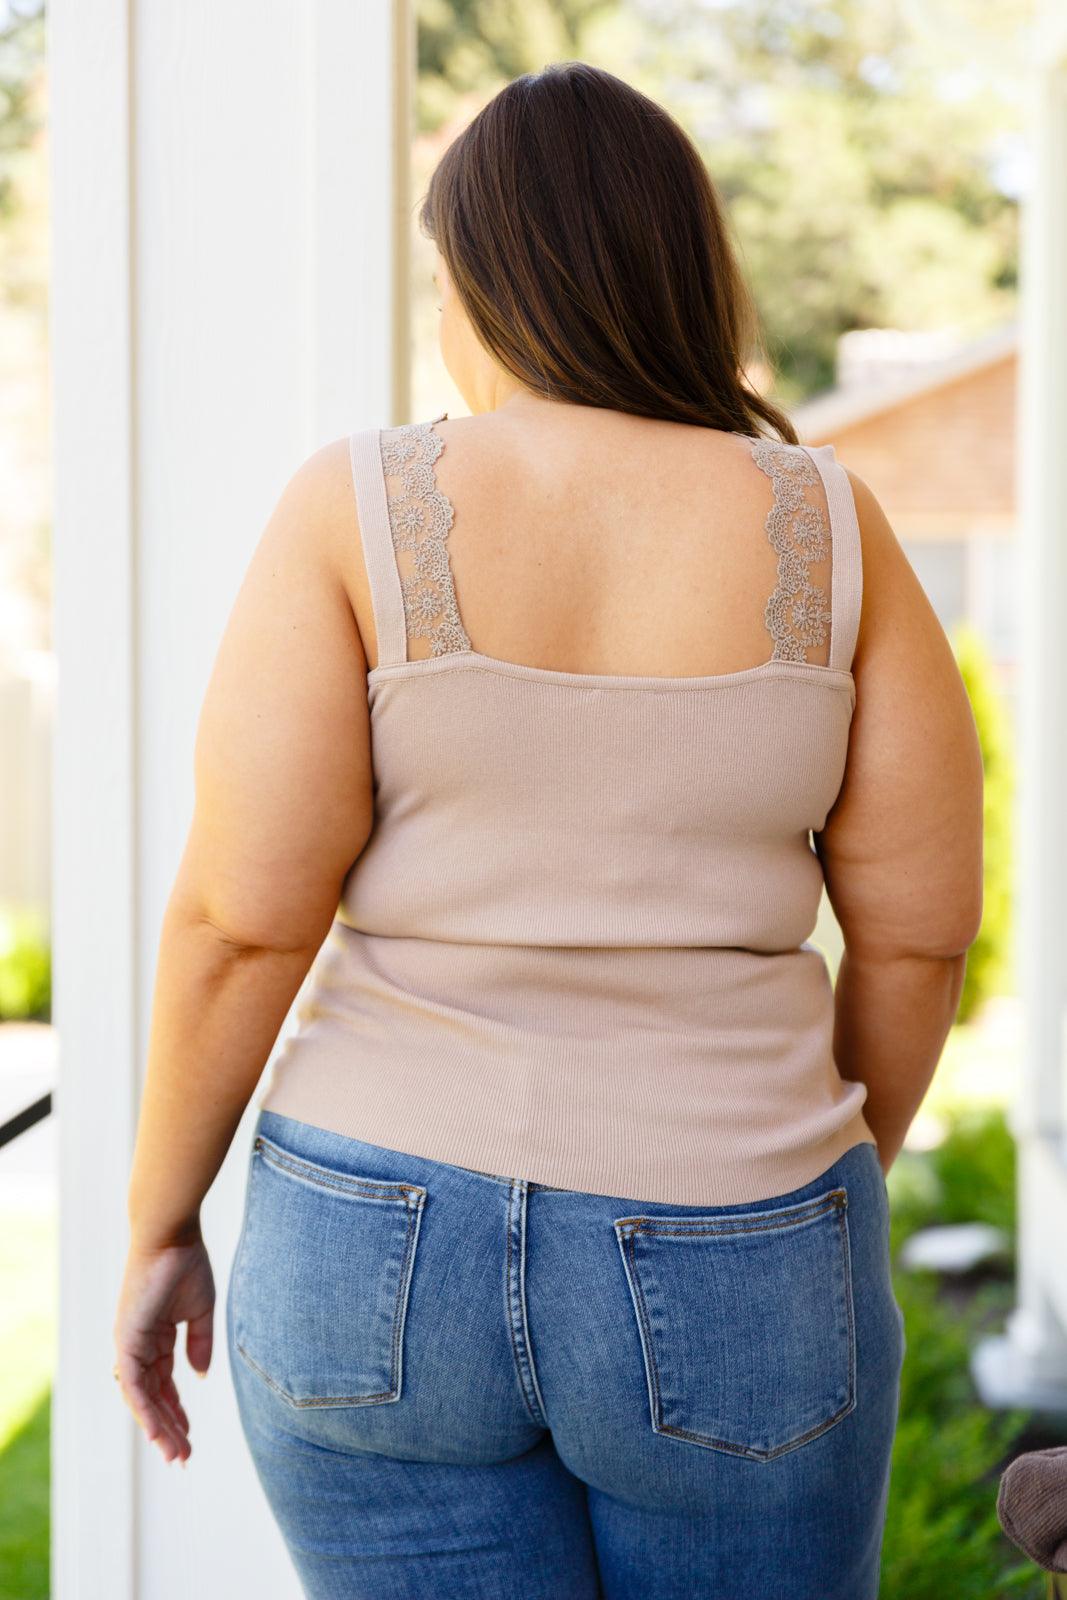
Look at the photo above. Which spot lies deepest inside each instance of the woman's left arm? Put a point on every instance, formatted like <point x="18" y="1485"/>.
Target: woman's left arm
<point x="283" y="807"/>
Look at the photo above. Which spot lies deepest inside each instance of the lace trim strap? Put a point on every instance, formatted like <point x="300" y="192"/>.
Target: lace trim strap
<point x="420" y="518"/>
<point x="804" y="530"/>
<point x="798" y="612"/>
<point x="400" y="509"/>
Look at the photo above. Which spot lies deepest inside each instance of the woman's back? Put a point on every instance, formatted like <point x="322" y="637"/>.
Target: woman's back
<point x="610" y="698"/>
<point x="590" y="541"/>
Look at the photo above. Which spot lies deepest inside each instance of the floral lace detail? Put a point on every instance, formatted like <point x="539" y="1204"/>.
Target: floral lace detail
<point x="797" y="613"/>
<point x="420" y="518"/>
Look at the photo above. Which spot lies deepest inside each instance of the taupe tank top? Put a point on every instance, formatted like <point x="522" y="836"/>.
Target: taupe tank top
<point x="575" y="947"/>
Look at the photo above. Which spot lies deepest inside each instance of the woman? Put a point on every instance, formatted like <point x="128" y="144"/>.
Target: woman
<point x="531" y="741"/>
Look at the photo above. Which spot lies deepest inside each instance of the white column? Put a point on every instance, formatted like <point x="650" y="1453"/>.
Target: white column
<point x="1027" y="1366"/>
<point x="230" y="209"/>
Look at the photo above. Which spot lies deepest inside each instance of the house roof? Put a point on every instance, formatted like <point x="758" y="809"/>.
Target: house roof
<point x="844" y="405"/>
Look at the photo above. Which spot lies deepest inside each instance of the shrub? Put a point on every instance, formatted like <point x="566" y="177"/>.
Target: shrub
<point x="989" y="958"/>
<point x="25" y="964"/>
<point x="942" y="1533"/>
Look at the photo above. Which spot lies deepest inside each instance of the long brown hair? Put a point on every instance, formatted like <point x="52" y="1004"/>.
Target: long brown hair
<point x="590" y="250"/>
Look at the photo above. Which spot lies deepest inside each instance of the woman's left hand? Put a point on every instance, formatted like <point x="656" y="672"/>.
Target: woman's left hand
<point x="161" y="1288"/>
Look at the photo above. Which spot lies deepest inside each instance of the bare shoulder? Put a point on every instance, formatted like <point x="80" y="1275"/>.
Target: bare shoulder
<point x="321" y="512"/>
<point x="898" y="625"/>
<point x="320" y="495"/>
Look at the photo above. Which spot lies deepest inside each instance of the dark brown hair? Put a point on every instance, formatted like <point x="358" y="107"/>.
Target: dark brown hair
<point x="590" y="250"/>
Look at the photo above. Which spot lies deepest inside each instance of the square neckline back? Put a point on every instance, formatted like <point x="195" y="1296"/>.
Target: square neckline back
<point x="455" y="661"/>
<point x="380" y="555"/>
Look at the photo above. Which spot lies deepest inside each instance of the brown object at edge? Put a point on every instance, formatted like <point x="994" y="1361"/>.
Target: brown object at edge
<point x="1032" y="1509"/>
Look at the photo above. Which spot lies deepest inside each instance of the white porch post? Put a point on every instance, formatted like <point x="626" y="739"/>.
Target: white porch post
<point x="230" y="208"/>
<point x="1027" y="1366"/>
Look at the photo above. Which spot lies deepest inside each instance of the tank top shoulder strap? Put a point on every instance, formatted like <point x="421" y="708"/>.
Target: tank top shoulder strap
<point x="412" y="516"/>
<point x="846" y="579"/>
<point x="806" y="529"/>
<point x="372" y="507"/>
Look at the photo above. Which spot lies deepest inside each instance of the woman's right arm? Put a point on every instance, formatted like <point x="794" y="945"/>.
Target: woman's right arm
<point x="902" y="846"/>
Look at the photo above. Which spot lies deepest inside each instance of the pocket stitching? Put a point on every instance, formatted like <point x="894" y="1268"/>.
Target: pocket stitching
<point x="836" y="1199"/>
<point x="316" y="1400"/>
<point x="785" y="1217"/>
<point x="414" y="1198"/>
<point x="327" y="1178"/>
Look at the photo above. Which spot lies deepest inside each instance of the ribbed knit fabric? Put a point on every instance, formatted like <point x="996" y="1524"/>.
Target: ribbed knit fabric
<point x="575" y="947"/>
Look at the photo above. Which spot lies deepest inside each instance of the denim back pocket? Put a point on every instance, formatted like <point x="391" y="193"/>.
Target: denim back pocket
<point x="321" y="1279"/>
<point x="746" y="1323"/>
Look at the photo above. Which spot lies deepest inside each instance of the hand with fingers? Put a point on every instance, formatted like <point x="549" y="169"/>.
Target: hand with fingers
<point x="162" y="1288"/>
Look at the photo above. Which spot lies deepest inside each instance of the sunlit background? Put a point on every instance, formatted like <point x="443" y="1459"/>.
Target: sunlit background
<point x="873" y="158"/>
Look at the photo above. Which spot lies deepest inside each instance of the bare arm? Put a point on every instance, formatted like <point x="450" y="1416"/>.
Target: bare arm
<point x="283" y="807"/>
<point x="902" y="847"/>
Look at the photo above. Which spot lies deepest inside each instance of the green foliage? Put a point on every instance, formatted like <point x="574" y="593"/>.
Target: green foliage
<point x="970" y="1177"/>
<point x="25" y="964"/>
<point x="975" y="1169"/>
<point x="24" y="1508"/>
<point x="21" y="52"/>
<point x="476" y="46"/>
<point x="942" y="1534"/>
<point x="989" y="959"/>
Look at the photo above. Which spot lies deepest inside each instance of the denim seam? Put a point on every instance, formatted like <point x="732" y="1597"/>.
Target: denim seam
<point x="400" y="1314"/>
<point x="515" y="1300"/>
<point x="850" y="1313"/>
<point x="239" y="1254"/>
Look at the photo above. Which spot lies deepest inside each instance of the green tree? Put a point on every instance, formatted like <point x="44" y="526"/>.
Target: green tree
<point x="989" y="960"/>
<point x="476" y="46"/>
<point x="21" y="54"/>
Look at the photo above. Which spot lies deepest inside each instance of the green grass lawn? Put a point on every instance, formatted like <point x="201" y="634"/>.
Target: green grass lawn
<point x="24" y="1483"/>
<point x="27" y="1359"/>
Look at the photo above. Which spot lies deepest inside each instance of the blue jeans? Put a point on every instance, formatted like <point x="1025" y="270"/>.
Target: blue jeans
<point x="460" y="1384"/>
